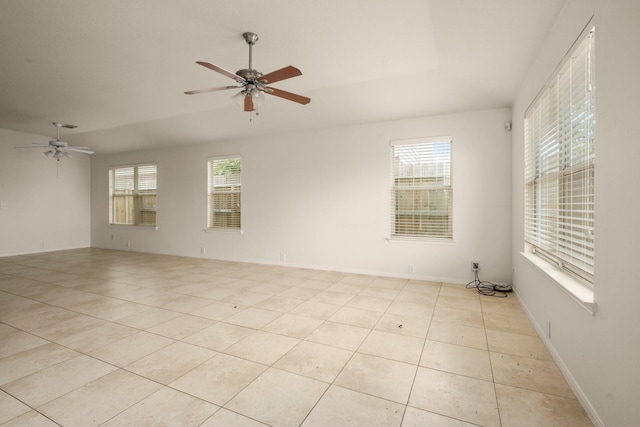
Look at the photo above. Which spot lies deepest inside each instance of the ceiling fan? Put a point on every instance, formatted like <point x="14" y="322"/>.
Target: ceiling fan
<point x="59" y="149"/>
<point x="253" y="83"/>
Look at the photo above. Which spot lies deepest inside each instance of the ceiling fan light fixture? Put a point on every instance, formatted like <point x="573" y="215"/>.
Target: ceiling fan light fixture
<point x="48" y="153"/>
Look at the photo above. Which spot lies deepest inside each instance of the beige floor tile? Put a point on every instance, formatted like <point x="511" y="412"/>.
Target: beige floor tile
<point x="332" y="297"/>
<point x="525" y="408"/>
<point x="356" y="317"/>
<point x="262" y="347"/>
<point x="166" y="407"/>
<point x="389" y="283"/>
<point x="371" y="303"/>
<point x="458" y="317"/>
<point x="410" y="309"/>
<point x="346" y="288"/>
<point x="219" y="379"/>
<point x="181" y="327"/>
<point x="460" y="303"/>
<point x="532" y="374"/>
<point x="217" y="293"/>
<point x="220" y="336"/>
<point x="31" y="419"/>
<point x="403" y="325"/>
<point x="467" y="361"/>
<point x="340" y="407"/>
<point x="452" y="333"/>
<point x="218" y="310"/>
<point x="292" y="325"/>
<point x="338" y="335"/>
<point x="67" y="328"/>
<point x="253" y="317"/>
<point x="423" y="287"/>
<point x="100" y="400"/>
<point x="10" y="407"/>
<point x="460" y="291"/>
<point x="428" y="300"/>
<point x="147" y="318"/>
<point x="17" y="341"/>
<point x="279" y="303"/>
<point x="129" y="349"/>
<point x="171" y="362"/>
<point x="299" y="293"/>
<point x="50" y="383"/>
<point x="384" y="378"/>
<point x="380" y="292"/>
<point x="316" y="309"/>
<point x="517" y="345"/>
<point x="33" y="360"/>
<point x="318" y="361"/>
<point x="414" y="417"/>
<point x="278" y="398"/>
<point x="393" y="346"/>
<point x="96" y="337"/>
<point x="49" y="317"/>
<point x="226" y="418"/>
<point x="467" y="399"/>
<point x="505" y="323"/>
<point x="129" y="309"/>
<point x="246" y="298"/>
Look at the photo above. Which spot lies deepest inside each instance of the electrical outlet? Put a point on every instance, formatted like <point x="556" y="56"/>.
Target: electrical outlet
<point x="411" y="268"/>
<point x="475" y="265"/>
<point x="128" y="244"/>
<point x="203" y="250"/>
<point x="283" y="257"/>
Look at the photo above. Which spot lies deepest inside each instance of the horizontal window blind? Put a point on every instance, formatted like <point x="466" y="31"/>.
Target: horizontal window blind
<point x="421" y="193"/>
<point x="132" y="195"/>
<point x="560" y="164"/>
<point x="224" y="193"/>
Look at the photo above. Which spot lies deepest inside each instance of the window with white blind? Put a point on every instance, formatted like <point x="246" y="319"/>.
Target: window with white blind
<point x="421" y="191"/>
<point x="132" y="195"/>
<point x="224" y="190"/>
<point x="560" y="164"/>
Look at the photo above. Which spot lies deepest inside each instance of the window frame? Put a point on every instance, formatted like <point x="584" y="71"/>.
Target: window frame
<point x="560" y="229"/>
<point x="420" y="190"/>
<point x="233" y="221"/>
<point x="134" y="216"/>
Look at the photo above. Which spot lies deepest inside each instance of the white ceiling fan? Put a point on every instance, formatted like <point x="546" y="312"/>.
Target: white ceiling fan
<point x="59" y="149"/>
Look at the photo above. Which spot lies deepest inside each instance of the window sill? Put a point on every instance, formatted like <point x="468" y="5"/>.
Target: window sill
<point x="223" y="230"/>
<point x="137" y="226"/>
<point x="578" y="291"/>
<point x="421" y="240"/>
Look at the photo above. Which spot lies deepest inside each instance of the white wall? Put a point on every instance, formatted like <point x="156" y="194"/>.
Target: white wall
<point x="322" y="198"/>
<point x="599" y="354"/>
<point x="44" y="206"/>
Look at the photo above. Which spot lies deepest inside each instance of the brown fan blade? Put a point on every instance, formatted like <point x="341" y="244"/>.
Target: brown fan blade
<point x="213" y="89"/>
<point x="288" y="95"/>
<point x="220" y="70"/>
<point x="248" y="103"/>
<point x="281" y="74"/>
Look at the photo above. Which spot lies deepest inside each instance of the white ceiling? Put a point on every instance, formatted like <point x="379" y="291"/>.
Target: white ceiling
<point x="118" y="68"/>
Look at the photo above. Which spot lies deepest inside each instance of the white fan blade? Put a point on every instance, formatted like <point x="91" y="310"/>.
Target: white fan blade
<point x="79" y="150"/>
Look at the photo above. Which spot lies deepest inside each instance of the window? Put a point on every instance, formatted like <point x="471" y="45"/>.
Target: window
<point x="132" y="195"/>
<point x="421" y="194"/>
<point x="224" y="189"/>
<point x="559" y="164"/>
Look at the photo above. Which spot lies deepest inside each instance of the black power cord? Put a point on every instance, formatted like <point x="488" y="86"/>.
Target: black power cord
<point x="487" y="288"/>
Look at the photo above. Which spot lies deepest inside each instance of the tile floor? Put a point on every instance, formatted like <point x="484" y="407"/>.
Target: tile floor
<point x="94" y="337"/>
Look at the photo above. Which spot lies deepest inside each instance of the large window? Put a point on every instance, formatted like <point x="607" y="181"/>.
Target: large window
<point x="132" y="195"/>
<point x="421" y="194"/>
<point x="559" y="164"/>
<point x="224" y="189"/>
